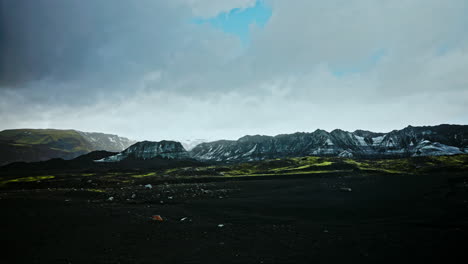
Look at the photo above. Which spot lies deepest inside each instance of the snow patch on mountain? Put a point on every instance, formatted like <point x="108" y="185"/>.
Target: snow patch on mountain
<point x="427" y="148"/>
<point x="377" y="140"/>
<point x="345" y="154"/>
<point x="361" y="141"/>
<point x="107" y="142"/>
<point x="250" y="151"/>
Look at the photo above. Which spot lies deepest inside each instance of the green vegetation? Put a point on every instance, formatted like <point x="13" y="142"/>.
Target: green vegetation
<point x="301" y="166"/>
<point x="27" y="179"/>
<point x="144" y="175"/>
<point x="319" y="165"/>
<point x="285" y="166"/>
<point x="96" y="190"/>
<point x="288" y="173"/>
<point x="61" y="140"/>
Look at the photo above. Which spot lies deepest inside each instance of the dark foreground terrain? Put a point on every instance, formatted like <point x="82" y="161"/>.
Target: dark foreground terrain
<point x="335" y="217"/>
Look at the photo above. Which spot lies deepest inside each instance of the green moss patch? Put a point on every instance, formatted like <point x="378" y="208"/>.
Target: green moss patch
<point x="96" y="190"/>
<point x="27" y="179"/>
<point x="144" y="175"/>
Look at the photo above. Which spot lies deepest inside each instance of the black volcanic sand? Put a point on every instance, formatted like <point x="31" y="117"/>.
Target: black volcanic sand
<point x="384" y="219"/>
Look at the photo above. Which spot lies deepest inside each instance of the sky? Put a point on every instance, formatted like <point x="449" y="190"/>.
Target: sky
<point x="221" y="69"/>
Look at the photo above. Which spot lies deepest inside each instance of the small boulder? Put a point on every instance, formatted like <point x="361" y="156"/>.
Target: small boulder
<point x="346" y="189"/>
<point x="157" y="218"/>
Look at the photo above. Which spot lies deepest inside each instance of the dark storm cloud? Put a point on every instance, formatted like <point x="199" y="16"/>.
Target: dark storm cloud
<point x="75" y="39"/>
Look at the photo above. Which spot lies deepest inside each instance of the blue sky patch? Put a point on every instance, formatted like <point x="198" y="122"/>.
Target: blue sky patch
<point x="237" y="21"/>
<point x="361" y="66"/>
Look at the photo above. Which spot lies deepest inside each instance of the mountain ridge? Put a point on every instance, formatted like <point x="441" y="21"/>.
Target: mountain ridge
<point x="43" y="144"/>
<point x="443" y="139"/>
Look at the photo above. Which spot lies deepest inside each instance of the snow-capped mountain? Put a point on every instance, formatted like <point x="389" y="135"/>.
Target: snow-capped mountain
<point x="146" y="150"/>
<point x="108" y="142"/>
<point x="410" y="141"/>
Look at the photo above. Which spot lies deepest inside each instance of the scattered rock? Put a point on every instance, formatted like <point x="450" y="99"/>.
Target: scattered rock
<point x="221" y="225"/>
<point x="346" y="189"/>
<point x="157" y="218"/>
<point x="148" y="186"/>
<point x="170" y="197"/>
<point x="110" y="198"/>
<point x="133" y="196"/>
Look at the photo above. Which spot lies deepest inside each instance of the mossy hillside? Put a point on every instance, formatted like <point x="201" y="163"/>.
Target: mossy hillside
<point x="64" y="140"/>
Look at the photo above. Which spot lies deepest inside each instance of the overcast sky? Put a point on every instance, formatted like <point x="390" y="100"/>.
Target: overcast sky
<point x="213" y="69"/>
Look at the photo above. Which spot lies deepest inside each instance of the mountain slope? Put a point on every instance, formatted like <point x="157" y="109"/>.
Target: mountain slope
<point x="410" y="141"/>
<point x="146" y="150"/>
<point x="107" y="142"/>
<point x="43" y="144"/>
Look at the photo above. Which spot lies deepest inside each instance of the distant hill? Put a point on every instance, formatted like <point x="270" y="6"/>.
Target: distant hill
<point x="30" y="145"/>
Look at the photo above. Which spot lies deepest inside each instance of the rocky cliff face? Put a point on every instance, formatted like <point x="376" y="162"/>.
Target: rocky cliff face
<point x="410" y="141"/>
<point x="146" y="150"/>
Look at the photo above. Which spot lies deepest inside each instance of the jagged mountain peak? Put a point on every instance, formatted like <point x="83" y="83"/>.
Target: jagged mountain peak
<point x="338" y="131"/>
<point x="320" y="132"/>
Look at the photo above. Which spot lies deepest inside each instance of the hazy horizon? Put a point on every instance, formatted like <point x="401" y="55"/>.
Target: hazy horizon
<point x="234" y="138"/>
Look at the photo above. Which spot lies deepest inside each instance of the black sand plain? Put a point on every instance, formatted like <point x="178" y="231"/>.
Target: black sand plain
<point x="381" y="218"/>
